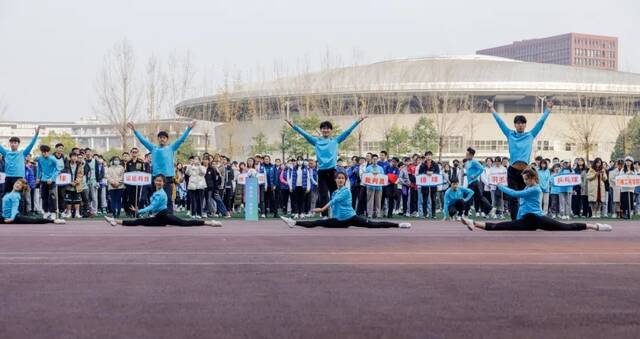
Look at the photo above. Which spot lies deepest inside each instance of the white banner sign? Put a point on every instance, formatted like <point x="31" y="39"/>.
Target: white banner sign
<point x="377" y="180"/>
<point x="498" y="179"/>
<point x="137" y="178"/>
<point x="567" y="180"/>
<point x="63" y="179"/>
<point x="242" y="178"/>
<point x="628" y="181"/>
<point x="429" y="180"/>
<point x="3" y="177"/>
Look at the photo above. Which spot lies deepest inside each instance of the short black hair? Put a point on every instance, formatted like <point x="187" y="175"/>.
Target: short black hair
<point x="428" y="153"/>
<point x="395" y="159"/>
<point x="87" y="150"/>
<point x="164" y="179"/>
<point x="72" y="154"/>
<point x="326" y="124"/>
<point x="471" y="150"/>
<point x="519" y="119"/>
<point x="14" y="139"/>
<point x="453" y="180"/>
<point x="385" y="152"/>
<point x="163" y="134"/>
<point x="59" y="144"/>
<point x="45" y="148"/>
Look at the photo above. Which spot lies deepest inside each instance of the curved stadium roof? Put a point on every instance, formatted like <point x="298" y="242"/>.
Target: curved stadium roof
<point x="477" y="74"/>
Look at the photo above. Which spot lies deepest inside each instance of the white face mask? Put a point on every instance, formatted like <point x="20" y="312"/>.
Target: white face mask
<point x="116" y="162"/>
<point x="299" y="162"/>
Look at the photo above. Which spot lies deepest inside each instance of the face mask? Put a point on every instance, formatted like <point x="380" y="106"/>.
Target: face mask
<point x="116" y="162"/>
<point x="299" y="163"/>
<point x="305" y="163"/>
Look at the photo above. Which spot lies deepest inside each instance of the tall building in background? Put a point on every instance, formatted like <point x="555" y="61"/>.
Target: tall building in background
<point x="573" y="49"/>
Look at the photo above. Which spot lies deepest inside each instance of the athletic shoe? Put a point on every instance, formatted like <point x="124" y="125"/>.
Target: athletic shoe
<point x="263" y="216"/>
<point x="288" y="221"/>
<point x="78" y="216"/>
<point x="492" y="214"/>
<point x="458" y="218"/>
<point x="111" y="221"/>
<point x="604" y="227"/>
<point x="213" y="223"/>
<point x="227" y="216"/>
<point x="404" y="225"/>
<point x="45" y="215"/>
<point x="52" y="216"/>
<point x="468" y="222"/>
<point x="59" y="221"/>
<point x="296" y="216"/>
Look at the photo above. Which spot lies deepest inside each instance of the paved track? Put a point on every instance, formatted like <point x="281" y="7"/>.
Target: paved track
<point x="264" y="280"/>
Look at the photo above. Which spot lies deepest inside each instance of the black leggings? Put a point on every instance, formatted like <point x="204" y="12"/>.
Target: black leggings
<point x="163" y="218"/>
<point x="326" y="186"/>
<point x="532" y="222"/>
<point x="458" y="207"/>
<point x="357" y="221"/>
<point x="19" y="219"/>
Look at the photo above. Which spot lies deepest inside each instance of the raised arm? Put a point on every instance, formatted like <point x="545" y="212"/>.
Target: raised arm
<point x="29" y="147"/>
<point x="503" y="126"/>
<point x="141" y="138"/>
<point x="183" y="137"/>
<point x="310" y="138"/>
<point x="538" y="126"/>
<point x="345" y="134"/>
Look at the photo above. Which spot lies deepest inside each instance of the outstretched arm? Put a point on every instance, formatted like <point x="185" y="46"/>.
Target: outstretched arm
<point x="517" y="194"/>
<point x="344" y="135"/>
<point x="184" y="136"/>
<point x="310" y="138"/>
<point x="538" y="126"/>
<point x="141" y="138"/>
<point x="29" y="147"/>
<point x="503" y="126"/>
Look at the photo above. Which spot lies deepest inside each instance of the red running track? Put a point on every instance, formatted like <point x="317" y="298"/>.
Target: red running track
<point x="264" y="280"/>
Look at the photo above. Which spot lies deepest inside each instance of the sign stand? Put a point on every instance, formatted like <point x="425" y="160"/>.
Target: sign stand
<point x="251" y="199"/>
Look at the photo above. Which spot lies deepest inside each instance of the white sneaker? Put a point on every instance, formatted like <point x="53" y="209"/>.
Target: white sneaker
<point x="213" y="223"/>
<point x="188" y="213"/>
<point x="78" y="216"/>
<point x="492" y="214"/>
<point x="478" y="214"/>
<point x="45" y="215"/>
<point x="458" y="218"/>
<point x="604" y="227"/>
<point x="111" y="221"/>
<point x="288" y="221"/>
<point x="468" y="222"/>
<point x="262" y="216"/>
<point x="404" y="225"/>
<point x="59" y="221"/>
<point x="296" y="216"/>
<point x="52" y="216"/>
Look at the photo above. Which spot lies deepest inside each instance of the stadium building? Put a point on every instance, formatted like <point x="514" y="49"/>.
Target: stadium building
<point x="592" y="106"/>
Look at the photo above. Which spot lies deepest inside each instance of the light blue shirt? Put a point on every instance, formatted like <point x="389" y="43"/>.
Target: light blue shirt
<point x="14" y="160"/>
<point x="10" y="204"/>
<point x="520" y="144"/>
<point x="162" y="158"/>
<point x="544" y="176"/>
<point x="326" y="148"/>
<point x="450" y="196"/>
<point x="473" y="169"/>
<point x="47" y="168"/>
<point x="158" y="202"/>
<point x="529" y="199"/>
<point x="340" y="204"/>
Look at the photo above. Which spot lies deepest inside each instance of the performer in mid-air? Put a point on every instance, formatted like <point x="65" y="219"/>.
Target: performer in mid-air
<point x="326" y="148"/>
<point x="520" y="145"/>
<point x="342" y="210"/>
<point x="158" y="206"/>
<point x="530" y="216"/>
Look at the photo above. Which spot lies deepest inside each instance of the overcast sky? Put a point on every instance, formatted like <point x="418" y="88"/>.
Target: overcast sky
<point x="51" y="51"/>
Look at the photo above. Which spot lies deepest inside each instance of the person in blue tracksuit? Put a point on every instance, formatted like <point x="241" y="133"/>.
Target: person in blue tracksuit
<point x="326" y="148"/>
<point x="162" y="156"/>
<point x="530" y="216"/>
<point x="520" y="145"/>
<point x="47" y="175"/>
<point x="11" y="203"/>
<point x="158" y="206"/>
<point x="342" y="210"/>
<point x="457" y="199"/>
<point x="544" y="174"/>
<point x="473" y="170"/>
<point x="14" y="160"/>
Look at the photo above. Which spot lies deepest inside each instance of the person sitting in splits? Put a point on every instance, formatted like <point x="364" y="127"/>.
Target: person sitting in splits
<point x="10" y="203"/>
<point x="162" y="216"/>
<point x="530" y="216"/>
<point x="343" y="213"/>
<point x="457" y="200"/>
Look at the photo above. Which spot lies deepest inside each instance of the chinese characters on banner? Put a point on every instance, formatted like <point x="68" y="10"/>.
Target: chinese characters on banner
<point x="242" y="178"/>
<point x="63" y="179"/>
<point x="498" y="179"/>
<point x="628" y="181"/>
<point x="429" y="180"/>
<point x="251" y="199"/>
<point x="371" y="179"/>
<point x="137" y="178"/>
<point x="567" y="180"/>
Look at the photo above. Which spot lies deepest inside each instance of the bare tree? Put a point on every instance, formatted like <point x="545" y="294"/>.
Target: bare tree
<point x="118" y="93"/>
<point x="584" y="122"/>
<point x="623" y="110"/>
<point x="155" y="93"/>
<point x="180" y="77"/>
